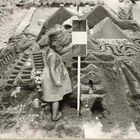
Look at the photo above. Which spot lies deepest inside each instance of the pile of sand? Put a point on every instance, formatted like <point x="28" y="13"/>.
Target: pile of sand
<point x="108" y="30"/>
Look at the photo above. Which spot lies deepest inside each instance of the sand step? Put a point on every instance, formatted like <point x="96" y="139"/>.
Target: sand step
<point x="15" y="72"/>
<point x="26" y="72"/>
<point x="25" y="56"/>
<point x="12" y="76"/>
<point x="17" y="67"/>
<point x="8" y="86"/>
<point x="38" y="61"/>
<point x="23" y="60"/>
<point x="26" y="80"/>
<point x="20" y="63"/>
<point x="28" y="69"/>
<point x="25" y="76"/>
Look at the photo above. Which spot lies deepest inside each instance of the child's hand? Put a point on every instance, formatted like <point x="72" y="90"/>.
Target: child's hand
<point x="58" y="84"/>
<point x="71" y="45"/>
<point x="67" y="49"/>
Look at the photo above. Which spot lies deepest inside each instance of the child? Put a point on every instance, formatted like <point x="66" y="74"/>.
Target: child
<point x="56" y="81"/>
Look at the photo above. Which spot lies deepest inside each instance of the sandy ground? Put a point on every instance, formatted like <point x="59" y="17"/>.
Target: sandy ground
<point x="39" y="17"/>
<point x="9" y="23"/>
<point x="7" y="29"/>
<point x="136" y="12"/>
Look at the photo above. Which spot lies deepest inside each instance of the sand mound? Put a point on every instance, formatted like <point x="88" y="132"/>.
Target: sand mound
<point x="100" y="12"/>
<point x="58" y="17"/>
<point x="108" y="30"/>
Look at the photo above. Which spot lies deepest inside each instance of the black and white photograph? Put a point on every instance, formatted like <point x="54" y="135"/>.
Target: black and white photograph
<point x="69" y="69"/>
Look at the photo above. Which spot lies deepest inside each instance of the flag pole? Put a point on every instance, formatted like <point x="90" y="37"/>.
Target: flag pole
<point x="77" y="6"/>
<point x="79" y="70"/>
<point x="78" y="91"/>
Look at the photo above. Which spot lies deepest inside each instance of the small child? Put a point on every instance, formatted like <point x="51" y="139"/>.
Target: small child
<point x="56" y="81"/>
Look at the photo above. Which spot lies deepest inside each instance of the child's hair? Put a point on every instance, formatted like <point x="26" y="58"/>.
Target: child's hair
<point x="133" y="1"/>
<point x="59" y="36"/>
